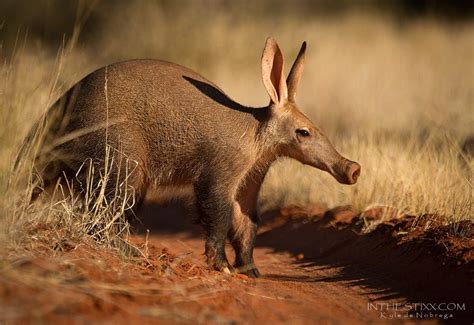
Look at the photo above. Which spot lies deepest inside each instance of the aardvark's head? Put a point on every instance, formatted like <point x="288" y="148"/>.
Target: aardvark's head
<point x="295" y="135"/>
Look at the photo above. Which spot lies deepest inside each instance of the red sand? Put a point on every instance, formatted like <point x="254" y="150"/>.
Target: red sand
<point x="317" y="268"/>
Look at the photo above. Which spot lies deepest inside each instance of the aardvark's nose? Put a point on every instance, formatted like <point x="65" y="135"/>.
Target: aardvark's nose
<point x="352" y="172"/>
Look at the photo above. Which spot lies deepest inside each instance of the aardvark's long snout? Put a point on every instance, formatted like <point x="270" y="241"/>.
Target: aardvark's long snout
<point x="347" y="171"/>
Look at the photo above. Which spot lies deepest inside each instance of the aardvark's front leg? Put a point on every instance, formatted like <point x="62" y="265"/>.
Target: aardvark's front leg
<point x="215" y="210"/>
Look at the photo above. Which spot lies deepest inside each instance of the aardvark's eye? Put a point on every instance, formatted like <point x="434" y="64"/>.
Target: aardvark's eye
<point x="303" y="132"/>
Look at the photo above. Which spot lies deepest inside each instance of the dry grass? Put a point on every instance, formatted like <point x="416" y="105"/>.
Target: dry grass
<point x="397" y="98"/>
<point x="66" y="215"/>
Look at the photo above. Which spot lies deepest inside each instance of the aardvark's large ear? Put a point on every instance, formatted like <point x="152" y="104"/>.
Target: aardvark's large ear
<point x="272" y="72"/>
<point x="295" y="73"/>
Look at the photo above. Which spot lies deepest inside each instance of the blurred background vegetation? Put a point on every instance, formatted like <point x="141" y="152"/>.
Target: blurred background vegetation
<point x="391" y="82"/>
<point x="48" y="21"/>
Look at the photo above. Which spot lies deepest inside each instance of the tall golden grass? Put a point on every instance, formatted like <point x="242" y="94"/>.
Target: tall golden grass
<point x="398" y="98"/>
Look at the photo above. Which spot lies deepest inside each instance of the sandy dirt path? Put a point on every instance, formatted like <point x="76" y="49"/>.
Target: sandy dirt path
<point x="313" y="272"/>
<point x="287" y="292"/>
<point x="317" y="266"/>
